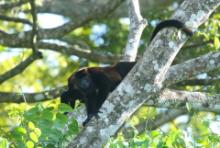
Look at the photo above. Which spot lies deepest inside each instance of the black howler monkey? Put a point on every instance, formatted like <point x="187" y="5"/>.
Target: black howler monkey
<point x="91" y="85"/>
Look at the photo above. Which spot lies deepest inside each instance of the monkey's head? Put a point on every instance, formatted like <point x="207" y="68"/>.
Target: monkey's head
<point x="69" y="97"/>
<point x="82" y="82"/>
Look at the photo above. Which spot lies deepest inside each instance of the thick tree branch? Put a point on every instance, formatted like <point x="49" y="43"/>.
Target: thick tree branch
<point x="33" y="42"/>
<point x="182" y="99"/>
<point x="148" y="76"/>
<point x="78" y="51"/>
<point x="136" y="27"/>
<point x="155" y="65"/>
<point x="191" y="68"/>
<point x="75" y="9"/>
<point x="173" y="72"/>
<point x="24" y="39"/>
<point x="180" y="102"/>
<point x="19" y="68"/>
<point x="62" y="30"/>
<point x="13" y="41"/>
<point x="8" y="97"/>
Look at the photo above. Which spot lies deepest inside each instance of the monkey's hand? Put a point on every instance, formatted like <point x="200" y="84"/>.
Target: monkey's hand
<point x="89" y="117"/>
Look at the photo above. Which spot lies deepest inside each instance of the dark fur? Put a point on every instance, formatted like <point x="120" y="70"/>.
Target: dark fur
<point x="92" y="85"/>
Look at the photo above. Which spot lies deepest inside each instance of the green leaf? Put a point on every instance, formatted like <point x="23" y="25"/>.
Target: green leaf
<point x="73" y="127"/>
<point x="47" y="114"/>
<point x="188" y="106"/>
<point x="29" y="144"/>
<point x="60" y="121"/>
<point x="32" y="114"/>
<point x="45" y="123"/>
<point x="206" y="123"/>
<point x="4" y="143"/>
<point x="155" y="133"/>
<point x="54" y="135"/>
<point x="21" y="130"/>
<point x="62" y="108"/>
<point x="214" y="138"/>
<point x="161" y="144"/>
<point x="37" y="131"/>
<point x="31" y="125"/>
<point x="2" y="48"/>
<point x="33" y="137"/>
<point x="216" y="43"/>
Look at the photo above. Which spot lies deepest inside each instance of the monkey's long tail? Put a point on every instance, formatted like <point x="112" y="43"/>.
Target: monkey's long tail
<point x="171" y="23"/>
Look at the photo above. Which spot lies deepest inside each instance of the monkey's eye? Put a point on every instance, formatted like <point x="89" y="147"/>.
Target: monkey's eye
<point x="84" y="83"/>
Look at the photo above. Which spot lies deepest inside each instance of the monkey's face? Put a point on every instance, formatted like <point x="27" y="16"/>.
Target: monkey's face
<point x="82" y="82"/>
<point x="70" y="96"/>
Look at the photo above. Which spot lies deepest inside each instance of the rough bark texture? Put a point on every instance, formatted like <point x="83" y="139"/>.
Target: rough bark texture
<point x="191" y="68"/>
<point x="147" y="76"/>
<point x="75" y="9"/>
<point x="136" y="27"/>
<point x="183" y="99"/>
<point x="146" y="81"/>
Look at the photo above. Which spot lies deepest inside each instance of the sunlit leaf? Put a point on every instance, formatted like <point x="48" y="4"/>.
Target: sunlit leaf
<point x="4" y="143"/>
<point x="31" y="125"/>
<point x="37" y="131"/>
<point x="29" y="144"/>
<point x="216" y="43"/>
<point x="33" y="137"/>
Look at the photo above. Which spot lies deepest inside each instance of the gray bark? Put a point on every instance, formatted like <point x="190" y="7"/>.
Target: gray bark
<point x="147" y="76"/>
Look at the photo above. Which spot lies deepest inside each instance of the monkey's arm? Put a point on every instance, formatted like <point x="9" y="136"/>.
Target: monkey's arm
<point x="96" y="99"/>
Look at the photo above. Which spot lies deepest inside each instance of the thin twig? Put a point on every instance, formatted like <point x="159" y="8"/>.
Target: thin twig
<point x="15" y="19"/>
<point x="34" y="35"/>
<point x="23" y="95"/>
